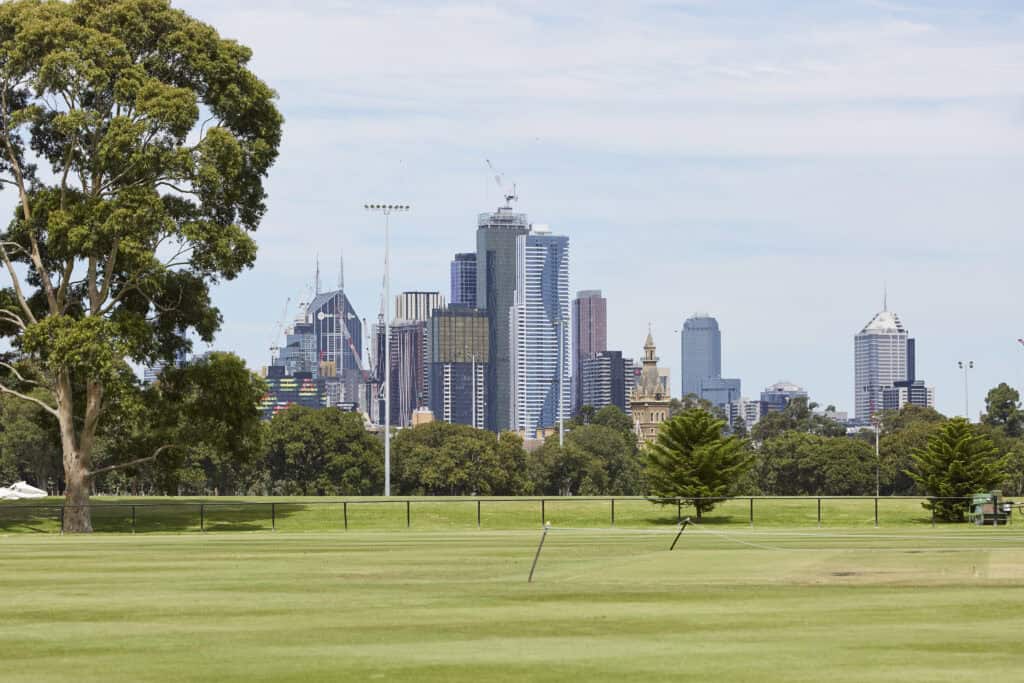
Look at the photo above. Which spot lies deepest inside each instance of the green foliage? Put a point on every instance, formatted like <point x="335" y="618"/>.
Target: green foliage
<point x="692" y="459"/>
<point x="439" y="458"/>
<point x="797" y="416"/>
<point x="323" y="452"/>
<point x="1002" y="409"/>
<point x="29" y="448"/>
<point x="904" y="433"/>
<point x="137" y="140"/>
<point x="202" y="420"/>
<point x="957" y="462"/>
<point x="612" y="416"/>
<point x="799" y="464"/>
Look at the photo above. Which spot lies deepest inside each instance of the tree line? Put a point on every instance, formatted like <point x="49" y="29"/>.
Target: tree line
<point x="206" y="418"/>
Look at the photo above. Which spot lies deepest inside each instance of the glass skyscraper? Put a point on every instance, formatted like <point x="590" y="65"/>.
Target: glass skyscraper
<point x="589" y="336"/>
<point x="880" y="361"/>
<point x="701" y="352"/>
<point x="458" y="364"/>
<point x="463" y="280"/>
<point x="539" y="319"/>
<point x="496" y="237"/>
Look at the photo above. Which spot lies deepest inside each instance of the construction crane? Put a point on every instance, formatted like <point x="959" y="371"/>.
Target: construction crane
<point x="278" y="331"/>
<point x="499" y="178"/>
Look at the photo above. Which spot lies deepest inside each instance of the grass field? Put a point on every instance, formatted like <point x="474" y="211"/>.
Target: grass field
<point x="901" y="603"/>
<point x="329" y="514"/>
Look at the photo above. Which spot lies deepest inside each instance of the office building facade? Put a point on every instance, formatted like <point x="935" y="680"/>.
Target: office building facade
<point x="418" y="305"/>
<point x="463" y="280"/>
<point x="589" y="336"/>
<point x="605" y="379"/>
<point x="496" y="237"/>
<point x="539" y="334"/>
<point x="880" y="361"/>
<point x="775" y="398"/>
<point x="459" y="355"/>
<point x="701" y="352"/>
<point x="408" y="380"/>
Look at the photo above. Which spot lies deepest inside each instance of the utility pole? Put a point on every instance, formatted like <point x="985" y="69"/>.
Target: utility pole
<point x="966" y="365"/>
<point x="387" y="210"/>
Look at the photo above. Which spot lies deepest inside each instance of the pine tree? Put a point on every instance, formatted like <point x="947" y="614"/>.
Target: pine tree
<point x="692" y="459"/>
<point x="957" y="463"/>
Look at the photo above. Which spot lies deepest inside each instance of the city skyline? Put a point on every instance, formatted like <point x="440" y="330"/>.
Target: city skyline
<point x="790" y="189"/>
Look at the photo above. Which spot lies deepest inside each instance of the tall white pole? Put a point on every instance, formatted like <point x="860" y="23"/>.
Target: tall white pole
<point x="561" y="398"/>
<point x="386" y="209"/>
<point x="387" y="354"/>
<point x="878" y="456"/>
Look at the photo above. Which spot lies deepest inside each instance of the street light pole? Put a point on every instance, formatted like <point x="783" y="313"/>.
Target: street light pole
<point x="878" y="455"/>
<point x="966" y="365"/>
<point x="387" y="210"/>
<point x="560" y="324"/>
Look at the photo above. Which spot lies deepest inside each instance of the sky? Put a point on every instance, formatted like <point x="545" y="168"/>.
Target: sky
<point x="777" y="165"/>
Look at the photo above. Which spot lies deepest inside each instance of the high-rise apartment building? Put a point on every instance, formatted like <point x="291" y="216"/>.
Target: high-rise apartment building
<point x="496" y="237"/>
<point x="408" y="381"/>
<point x="880" y="361"/>
<point x="701" y="352"/>
<point x="418" y="305"/>
<point x="589" y="336"/>
<point x="606" y="380"/>
<point x="463" y="280"/>
<point x="538" y="322"/>
<point x="459" y="355"/>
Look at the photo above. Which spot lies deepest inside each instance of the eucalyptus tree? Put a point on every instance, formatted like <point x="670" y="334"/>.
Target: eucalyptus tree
<point x="137" y="141"/>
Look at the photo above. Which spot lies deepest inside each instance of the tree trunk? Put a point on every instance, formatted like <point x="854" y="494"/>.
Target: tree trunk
<point x="77" y="515"/>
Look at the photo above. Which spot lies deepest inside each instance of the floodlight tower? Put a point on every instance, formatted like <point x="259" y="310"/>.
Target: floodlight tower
<point x="966" y="365"/>
<point x="387" y="210"/>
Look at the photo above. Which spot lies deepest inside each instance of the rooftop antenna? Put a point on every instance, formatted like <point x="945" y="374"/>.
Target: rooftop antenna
<point x="885" y="296"/>
<point x="341" y="271"/>
<point x="316" y="280"/>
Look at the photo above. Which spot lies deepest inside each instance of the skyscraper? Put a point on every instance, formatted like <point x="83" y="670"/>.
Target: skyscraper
<point x="701" y="352"/>
<point x="408" y="381"/>
<point x="880" y="360"/>
<point x="339" y="341"/>
<point x="539" y="319"/>
<point x="604" y="377"/>
<point x="417" y="305"/>
<point x="458" y="363"/>
<point x="589" y="336"/>
<point x="463" y="280"/>
<point x="496" y="237"/>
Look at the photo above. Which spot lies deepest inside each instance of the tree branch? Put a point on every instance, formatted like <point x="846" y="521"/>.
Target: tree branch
<point x="17" y="374"/>
<point x="132" y="463"/>
<point x="16" y="283"/>
<point x="50" y="409"/>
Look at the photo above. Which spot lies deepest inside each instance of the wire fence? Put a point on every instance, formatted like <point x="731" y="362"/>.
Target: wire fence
<point x="492" y="513"/>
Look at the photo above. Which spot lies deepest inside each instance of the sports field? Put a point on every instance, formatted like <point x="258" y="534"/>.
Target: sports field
<point x="843" y="603"/>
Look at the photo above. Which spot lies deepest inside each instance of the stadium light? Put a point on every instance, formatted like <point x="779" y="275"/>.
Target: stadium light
<point x="387" y="210"/>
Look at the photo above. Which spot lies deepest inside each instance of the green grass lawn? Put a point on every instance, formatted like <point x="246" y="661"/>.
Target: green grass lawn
<point x="363" y="514"/>
<point x="773" y="603"/>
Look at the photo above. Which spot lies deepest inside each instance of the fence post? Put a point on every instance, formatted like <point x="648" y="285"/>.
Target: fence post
<point x="478" y="513"/>
<point x="819" y="512"/>
<point x="202" y="517"/>
<point x="751" y="511"/>
<point x="542" y="514"/>
<point x="133" y="519"/>
<point x="344" y="507"/>
<point x="408" y="514"/>
<point x="876" y="512"/>
<point x="273" y="516"/>
<point x="613" y="512"/>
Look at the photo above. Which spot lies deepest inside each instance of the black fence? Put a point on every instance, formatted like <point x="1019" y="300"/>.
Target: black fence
<point x="497" y="513"/>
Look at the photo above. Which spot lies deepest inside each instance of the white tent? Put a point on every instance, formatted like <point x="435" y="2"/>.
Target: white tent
<point x="19" y="490"/>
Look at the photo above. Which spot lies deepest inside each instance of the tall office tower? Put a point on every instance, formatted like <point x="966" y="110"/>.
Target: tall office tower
<point x="539" y="322"/>
<point x="408" y="381"/>
<point x="417" y="305"/>
<point x="495" y="290"/>
<point x="603" y="378"/>
<point x="589" y="336"/>
<point x="701" y="352"/>
<point x="775" y="398"/>
<point x="463" y="280"/>
<point x="880" y="360"/>
<point x="458" y="364"/>
<point x="719" y="391"/>
<point x="299" y="352"/>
